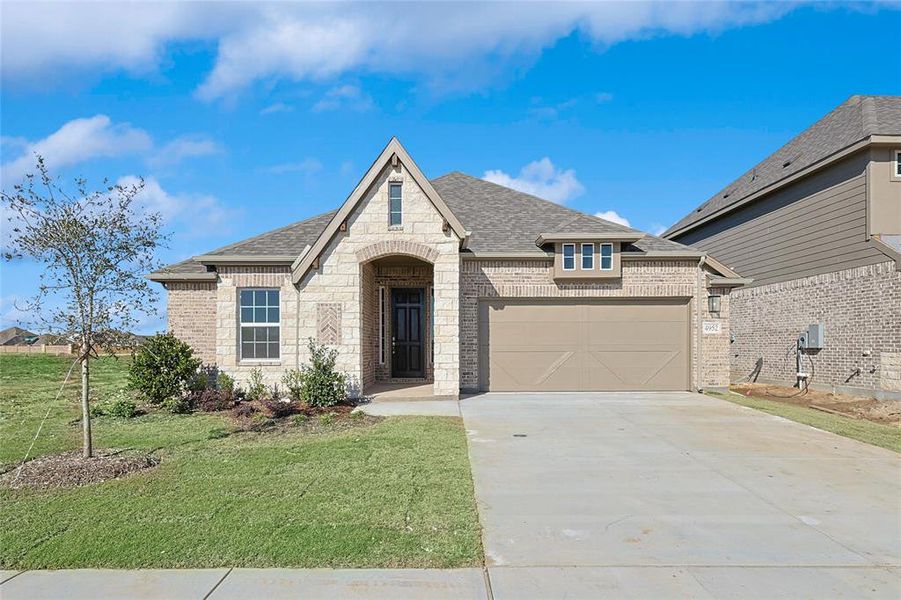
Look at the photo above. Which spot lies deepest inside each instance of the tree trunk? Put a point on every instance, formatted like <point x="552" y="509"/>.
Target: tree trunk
<point x="87" y="450"/>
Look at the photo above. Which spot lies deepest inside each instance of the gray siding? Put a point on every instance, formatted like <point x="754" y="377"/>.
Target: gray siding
<point x="817" y="225"/>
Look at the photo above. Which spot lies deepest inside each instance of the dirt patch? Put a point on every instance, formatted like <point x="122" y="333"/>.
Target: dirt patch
<point x="69" y="469"/>
<point x="293" y="416"/>
<point x="886" y="412"/>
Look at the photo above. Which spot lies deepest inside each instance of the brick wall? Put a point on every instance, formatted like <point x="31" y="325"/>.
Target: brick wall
<point x="192" y="317"/>
<point x="861" y="311"/>
<point x="640" y="279"/>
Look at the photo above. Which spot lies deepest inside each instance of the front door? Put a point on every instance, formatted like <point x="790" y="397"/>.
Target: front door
<point x="406" y="340"/>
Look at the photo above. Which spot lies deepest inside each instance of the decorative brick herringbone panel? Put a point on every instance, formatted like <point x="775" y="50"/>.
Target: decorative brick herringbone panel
<point x="328" y="323"/>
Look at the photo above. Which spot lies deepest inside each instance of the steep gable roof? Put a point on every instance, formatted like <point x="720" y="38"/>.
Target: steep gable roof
<point x="854" y="120"/>
<point x="393" y="151"/>
<point x="494" y="218"/>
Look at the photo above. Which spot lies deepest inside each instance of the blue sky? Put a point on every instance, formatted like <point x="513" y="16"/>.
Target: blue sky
<point x="243" y="118"/>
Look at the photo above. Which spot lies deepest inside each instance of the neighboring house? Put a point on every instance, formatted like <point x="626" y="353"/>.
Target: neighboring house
<point x="817" y="225"/>
<point x="16" y="336"/>
<point x="463" y="283"/>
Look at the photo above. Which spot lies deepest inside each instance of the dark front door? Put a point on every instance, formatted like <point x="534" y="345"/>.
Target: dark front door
<point x="406" y="340"/>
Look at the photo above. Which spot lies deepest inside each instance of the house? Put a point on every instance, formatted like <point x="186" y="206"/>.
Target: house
<point x="462" y="283"/>
<point x="16" y="336"/>
<point x="817" y="225"/>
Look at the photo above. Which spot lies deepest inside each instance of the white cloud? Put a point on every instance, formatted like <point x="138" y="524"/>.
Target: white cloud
<point x="307" y="166"/>
<point x="450" y="44"/>
<point x="77" y="141"/>
<point x="613" y="217"/>
<point x="193" y="214"/>
<point x="657" y="229"/>
<point x="541" y="178"/>
<point x="349" y="97"/>
<point x="186" y="146"/>
<point x="278" y="107"/>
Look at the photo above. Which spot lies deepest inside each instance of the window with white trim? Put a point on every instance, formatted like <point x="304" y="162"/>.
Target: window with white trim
<point x="381" y="325"/>
<point x="395" y="205"/>
<point x="259" y="325"/>
<point x="606" y="257"/>
<point x="587" y="257"/>
<point x="569" y="257"/>
<point x="896" y="170"/>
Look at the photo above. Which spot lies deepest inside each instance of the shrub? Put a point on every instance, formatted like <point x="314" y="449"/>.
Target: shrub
<point x="213" y="400"/>
<point x="162" y="369"/>
<point x="278" y="409"/>
<point x="300" y="419"/>
<point x="256" y="389"/>
<point x="121" y="405"/>
<point x="293" y="382"/>
<point x="181" y="404"/>
<point x="321" y="384"/>
<point x="357" y="415"/>
<point x="225" y="383"/>
<point x="244" y="411"/>
<point x="327" y="418"/>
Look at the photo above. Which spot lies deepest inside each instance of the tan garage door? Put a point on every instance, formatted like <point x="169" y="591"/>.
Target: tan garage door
<point x="550" y="345"/>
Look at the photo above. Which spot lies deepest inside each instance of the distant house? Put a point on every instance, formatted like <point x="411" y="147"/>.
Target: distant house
<point x="16" y="336"/>
<point x="817" y="225"/>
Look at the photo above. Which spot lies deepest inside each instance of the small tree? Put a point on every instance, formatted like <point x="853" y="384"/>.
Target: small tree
<point x="95" y="247"/>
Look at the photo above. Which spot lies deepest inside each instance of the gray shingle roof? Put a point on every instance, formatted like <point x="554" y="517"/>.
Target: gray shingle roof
<point x="854" y="120"/>
<point x="505" y="220"/>
<point x="500" y="219"/>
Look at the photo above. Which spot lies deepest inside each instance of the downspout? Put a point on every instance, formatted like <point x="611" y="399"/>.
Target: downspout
<point x="699" y="334"/>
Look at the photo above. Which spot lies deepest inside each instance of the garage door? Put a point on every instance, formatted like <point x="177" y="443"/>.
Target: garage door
<point x="537" y="345"/>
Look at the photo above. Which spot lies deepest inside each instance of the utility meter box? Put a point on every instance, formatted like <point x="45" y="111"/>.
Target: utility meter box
<point x="815" y="339"/>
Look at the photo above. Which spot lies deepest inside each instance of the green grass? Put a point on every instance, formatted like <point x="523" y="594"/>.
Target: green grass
<point x="876" y="434"/>
<point x="395" y="494"/>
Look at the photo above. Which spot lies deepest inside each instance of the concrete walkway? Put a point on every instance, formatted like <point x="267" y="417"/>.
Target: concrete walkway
<point x="244" y="584"/>
<point x="677" y="495"/>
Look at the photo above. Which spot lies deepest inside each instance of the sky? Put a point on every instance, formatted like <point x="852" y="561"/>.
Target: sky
<point x="246" y="117"/>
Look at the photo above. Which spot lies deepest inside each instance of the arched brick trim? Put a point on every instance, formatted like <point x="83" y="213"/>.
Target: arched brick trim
<point x="389" y="247"/>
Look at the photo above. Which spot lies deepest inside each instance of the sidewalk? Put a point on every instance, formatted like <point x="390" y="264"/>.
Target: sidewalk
<point x="226" y="584"/>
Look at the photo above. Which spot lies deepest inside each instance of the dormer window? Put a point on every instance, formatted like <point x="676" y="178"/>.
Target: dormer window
<point x="606" y="257"/>
<point x="395" y="205"/>
<point x="569" y="257"/>
<point x="587" y="257"/>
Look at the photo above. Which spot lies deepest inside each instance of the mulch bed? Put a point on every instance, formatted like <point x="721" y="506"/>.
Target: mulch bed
<point x="886" y="412"/>
<point x="69" y="469"/>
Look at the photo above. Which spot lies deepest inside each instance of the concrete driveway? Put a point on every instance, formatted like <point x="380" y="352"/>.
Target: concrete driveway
<point x="677" y="495"/>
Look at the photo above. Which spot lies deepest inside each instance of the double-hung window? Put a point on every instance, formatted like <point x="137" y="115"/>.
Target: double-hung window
<point x="606" y="257"/>
<point x="395" y="205"/>
<point x="569" y="257"/>
<point x="587" y="257"/>
<point x="259" y="324"/>
<point x="897" y="166"/>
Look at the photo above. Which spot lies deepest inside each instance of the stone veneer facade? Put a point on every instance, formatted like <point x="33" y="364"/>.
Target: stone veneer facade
<point x="861" y="311"/>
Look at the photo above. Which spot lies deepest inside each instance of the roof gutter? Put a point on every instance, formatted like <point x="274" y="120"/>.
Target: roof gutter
<point x="160" y="277"/>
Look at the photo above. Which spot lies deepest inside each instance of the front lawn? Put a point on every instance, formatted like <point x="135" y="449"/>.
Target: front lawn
<point x="877" y="434"/>
<point x="394" y="494"/>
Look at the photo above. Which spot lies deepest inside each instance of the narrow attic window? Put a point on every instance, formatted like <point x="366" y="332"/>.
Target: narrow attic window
<point x="395" y="205"/>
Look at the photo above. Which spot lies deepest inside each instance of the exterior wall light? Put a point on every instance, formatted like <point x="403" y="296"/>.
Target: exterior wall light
<point x="713" y="305"/>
